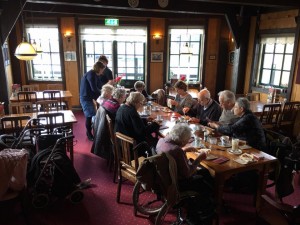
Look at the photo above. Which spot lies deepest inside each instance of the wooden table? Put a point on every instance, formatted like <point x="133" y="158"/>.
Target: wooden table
<point x="221" y="172"/>
<point x="69" y="118"/>
<point x="65" y="96"/>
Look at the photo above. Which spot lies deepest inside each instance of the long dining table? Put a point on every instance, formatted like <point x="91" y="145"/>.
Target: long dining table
<point x="220" y="172"/>
<point x="65" y="96"/>
<point x="69" y="120"/>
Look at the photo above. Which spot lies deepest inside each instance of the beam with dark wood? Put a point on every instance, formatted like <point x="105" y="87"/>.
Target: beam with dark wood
<point x="9" y="16"/>
<point x="263" y="3"/>
<point x="234" y="28"/>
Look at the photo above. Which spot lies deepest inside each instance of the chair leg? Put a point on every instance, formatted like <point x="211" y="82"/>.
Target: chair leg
<point x="119" y="189"/>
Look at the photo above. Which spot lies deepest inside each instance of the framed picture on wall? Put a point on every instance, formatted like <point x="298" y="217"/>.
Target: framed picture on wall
<point x="157" y="57"/>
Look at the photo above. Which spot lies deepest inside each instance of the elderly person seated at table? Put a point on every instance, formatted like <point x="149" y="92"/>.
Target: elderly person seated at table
<point x="187" y="171"/>
<point x="247" y="128"/>
<point x="205" y="110"/>
<point x="227" y="101"/>
<point x="106" y="93"/>
<point x="139" y="86"/>
<point x="112" y="105"/>
<point x="129" y="122"/>
<point x="182" y="98"/>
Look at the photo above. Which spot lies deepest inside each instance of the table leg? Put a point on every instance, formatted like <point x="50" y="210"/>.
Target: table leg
<point x="262" y="184"/>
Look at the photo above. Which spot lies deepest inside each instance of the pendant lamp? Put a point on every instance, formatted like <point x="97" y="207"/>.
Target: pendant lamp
<point x="25" y="51"/>
<point x="186" y="50"/>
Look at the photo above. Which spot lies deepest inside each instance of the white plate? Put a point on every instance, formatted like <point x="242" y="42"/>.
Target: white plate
<point x="236" y="152"/>
<point x="225" y="146"/>
<point x="245" y="147"/>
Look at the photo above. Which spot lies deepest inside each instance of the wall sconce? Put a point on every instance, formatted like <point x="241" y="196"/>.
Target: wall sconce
<point x="68" y="35"/>
<point x="157" y="37"/>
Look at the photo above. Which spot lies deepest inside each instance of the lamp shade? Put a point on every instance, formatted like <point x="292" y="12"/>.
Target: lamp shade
<point x="25" y="51"/>
<point x="186" y="50"/>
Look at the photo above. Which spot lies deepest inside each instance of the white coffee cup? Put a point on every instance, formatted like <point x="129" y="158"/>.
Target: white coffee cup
<point x="224" y="140"/>
<point x="213" y="140"/>
<point x="235" y="144"/>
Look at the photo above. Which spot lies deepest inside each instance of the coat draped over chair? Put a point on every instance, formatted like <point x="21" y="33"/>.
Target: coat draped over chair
<point x="101" y="145"/>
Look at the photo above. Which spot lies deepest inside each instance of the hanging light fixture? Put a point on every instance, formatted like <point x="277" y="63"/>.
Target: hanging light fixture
<point x="25" y="51"/>
<point x="186" y="50"/>
<point x="38" y="48"/>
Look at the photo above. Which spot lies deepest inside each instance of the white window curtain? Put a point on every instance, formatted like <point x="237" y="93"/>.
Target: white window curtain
<point x="278" y="40"/>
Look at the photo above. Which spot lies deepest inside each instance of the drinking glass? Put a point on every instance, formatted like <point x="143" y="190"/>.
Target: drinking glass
<point x="235" y="144"/>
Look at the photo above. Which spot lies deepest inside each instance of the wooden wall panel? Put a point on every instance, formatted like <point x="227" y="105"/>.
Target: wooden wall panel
<point x="157" y="68"/>
<point x="212" y="49"/>
<point x="285" y="19"/>
<point x="71" y="68"/>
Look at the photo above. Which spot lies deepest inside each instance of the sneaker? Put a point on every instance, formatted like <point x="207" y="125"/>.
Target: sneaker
<point x="90" y="136"/>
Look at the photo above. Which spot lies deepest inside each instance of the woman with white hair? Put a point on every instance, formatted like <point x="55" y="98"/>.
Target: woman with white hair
<point x="106" y="93"/>
<point x="139" y="86"/>
<point x="112" y="105"/>
<point x="174" y="144"/>
<point x="129" y="122"/>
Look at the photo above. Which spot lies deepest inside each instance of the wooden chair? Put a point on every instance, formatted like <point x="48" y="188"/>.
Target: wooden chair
<point x="288" y="116"/>
<point x="114" y="147"/>
<point x="55" y="87"/>
<point x="27" y="96"/>
<point x="270" y="115"/>
<point x="47" y="105"/>
<point x="13" y="124"/>
<point x="20" y="107"/>
<point x="159" y="97"/>
<point x="274" y="212"/>
<point x="54" y="95"/>
<point x="30" y="87"/>
<point x="52" y="120"/>
<point x="253" y="96"/>
<point x="128" y="160"/>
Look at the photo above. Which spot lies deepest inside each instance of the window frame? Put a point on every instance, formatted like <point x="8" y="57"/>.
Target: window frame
<point x="30" y="64"/>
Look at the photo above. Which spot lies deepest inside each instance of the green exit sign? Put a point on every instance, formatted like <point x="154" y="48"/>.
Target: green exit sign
<point x="111" y="22"/>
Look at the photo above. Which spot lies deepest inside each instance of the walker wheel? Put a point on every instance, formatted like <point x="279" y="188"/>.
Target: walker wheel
<point x="40" y="201"/>
<point x="76" y="196"/>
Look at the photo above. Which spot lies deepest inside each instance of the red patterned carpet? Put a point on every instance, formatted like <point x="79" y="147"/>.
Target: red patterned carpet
<point x="99" y="205"/>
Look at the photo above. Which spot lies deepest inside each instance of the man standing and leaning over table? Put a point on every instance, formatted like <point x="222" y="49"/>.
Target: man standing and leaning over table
<point x="89" y="92"/>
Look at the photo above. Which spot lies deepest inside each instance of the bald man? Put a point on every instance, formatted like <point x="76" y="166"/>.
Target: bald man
<point x="206" y="109"/>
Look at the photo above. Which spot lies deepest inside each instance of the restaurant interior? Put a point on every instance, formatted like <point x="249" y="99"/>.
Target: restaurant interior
<point x="249" y="47"/>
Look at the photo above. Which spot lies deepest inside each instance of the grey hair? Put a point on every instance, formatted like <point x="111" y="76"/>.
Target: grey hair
<point x="119" y="93"/>
<point x="106" y="89"/>
<point x="134" y="98"/>
<point x="243" y="102"/>
<point x="139" y="84"/>
<point x="180" y="134"/>
<point x="206" y="93"/>
<point x="227" y="95"/>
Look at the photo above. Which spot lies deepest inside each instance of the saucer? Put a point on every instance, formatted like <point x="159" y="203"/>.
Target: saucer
<point x="236" y="152"/>
<point x="225" y="146"/>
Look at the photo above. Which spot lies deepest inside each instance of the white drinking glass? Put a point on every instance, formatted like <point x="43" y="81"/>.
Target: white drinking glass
<point x="235" y="144"/>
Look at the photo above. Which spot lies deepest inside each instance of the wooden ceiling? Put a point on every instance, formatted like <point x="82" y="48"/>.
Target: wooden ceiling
<point x="11" y="9"/>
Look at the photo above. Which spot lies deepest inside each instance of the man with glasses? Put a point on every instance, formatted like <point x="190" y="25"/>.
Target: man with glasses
<point x="206" y="109"/>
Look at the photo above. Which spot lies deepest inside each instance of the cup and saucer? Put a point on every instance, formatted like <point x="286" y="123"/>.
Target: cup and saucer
<point x="224" y="142"/>
<point x="235" y="151"/>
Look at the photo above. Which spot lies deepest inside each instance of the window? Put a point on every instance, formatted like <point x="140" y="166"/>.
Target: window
<point x="275" y="61"/>
<point x="45" y="66"/>
<point x="188" y="64"/>
<point x="123" y="46"/>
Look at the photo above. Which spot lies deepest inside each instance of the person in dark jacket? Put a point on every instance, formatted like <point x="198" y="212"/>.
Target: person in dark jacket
<point x="129" y="122"/>
<point x="89" y="92"/>
<point x="247" y="128"/>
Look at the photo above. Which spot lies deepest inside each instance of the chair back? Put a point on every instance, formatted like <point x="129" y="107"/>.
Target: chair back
<point x="47" y="105"/>
<point x="27" y="96"/>
<point x="20" y="107"/>
<point x="289" y="113"/>
<point x="270" y="115"/>
<point x="159" y="97"/>
<point x="55" y="87"/>
<point x="30" y="87"/>
<point x="113" y="141"/>
<point x="53" y="95"/>
<point x="52" y="120"/>
<point x="13" y="124"/>
<point x="274" y="212"/>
